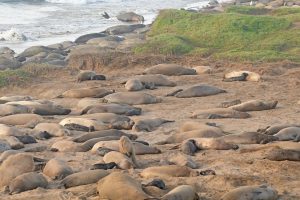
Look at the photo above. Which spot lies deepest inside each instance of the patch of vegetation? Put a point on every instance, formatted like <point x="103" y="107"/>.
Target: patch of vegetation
<point x="239" y="33"/>
<point x="24" y="74"/>
<point x="11" y="77"/>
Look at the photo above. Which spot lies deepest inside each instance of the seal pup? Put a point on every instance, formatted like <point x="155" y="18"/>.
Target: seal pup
<point x="124" y="184"/>
<point x="84" y="178"/>
<point x="255" y="105"/>
<point x="198" y="91"/>
<point x="289" y="133"/>
<point x="132" y="98"/>
<point x="170" y="70"/>
<point x="149" y="124"/>
<point x="126" y="147"/>
<point x="166" y="171"/>
<point x="95" y="92"/>
<point x="219" y="113"/>
<point x="120" y="109"/>
<point x="14" y="166"/>
<point x="257" y="192"/>
<point x="235" y="75"/>
<point x="182" y="192"/>
<point x="57" y="169"/>
<point x="27" y="181"/>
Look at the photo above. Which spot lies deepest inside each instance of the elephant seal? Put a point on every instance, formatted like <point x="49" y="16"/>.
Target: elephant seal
<point x="251" y="76"/>
<point x="212" y="132"/>
<point x="55" y="130"/>
<point x="95" y="92"/>
<point x="8" y="153"/>
<point x="192" y="125"/>
<point x="126" y="147"/>
<point x="120" y="109"/>
<point x="6" y="109"/>
<point x="290" y="133"/>
<point x="241" y="77"/>
<point x="26" y="139"/>
<point x="88" y="101"/>
<point x="17" y="98"/>
<point x="181" y="160"/>
<point x="84" y="178"/>
<point x="279" y="154"/>
<point x="249" y="138"/>
<point x="4" y="146"/>
<point x="199" y="91"/>
<point x="14" y="142"/>
<point x="272" y="130"/>
<point x="227" y="104"/>
<point x="14" y="166"/>
<point x="6" y="130"/>
<point x="134" y="85"/>
<point x="219" y="113"/>
<point x="168" y="171"/>
<point x="86" y="75"/>
<point x="140" y="149"/>
<point x="57" y="169"/>
<point x="149" y="124"/>
<point x="49" y="109"/>
<point x="257" y="192"/>
<point x="26" y="120"/>
<point x="255" y="105"/>
<point x="120" y="159"/>
<point x="191" y="145"/>
<point x="104" y="166"/>
<point x="84" y="124"/>
<point x="170" y="70"/>
<point x="28" y="181"/>
<point x="125" y="184"/>
<point x="156" y="80"/>
<point x="104" y="133"/>
<point x="182" y="192"/>
<point x="132" y="98"/>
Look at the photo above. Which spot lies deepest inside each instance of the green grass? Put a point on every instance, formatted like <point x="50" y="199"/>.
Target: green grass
<point x="239" y="34"/>
<point x="24" y="74"/>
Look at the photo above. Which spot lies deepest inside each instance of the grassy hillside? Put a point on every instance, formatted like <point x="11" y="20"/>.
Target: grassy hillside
<point x="240" y="34"/>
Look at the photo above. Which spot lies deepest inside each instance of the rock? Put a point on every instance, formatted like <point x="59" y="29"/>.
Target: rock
<point x="62" y="46"/>
<point x="55" y="56"/>
<point x="9" y="63"/>
<point x="276" y="4"/>
<point x="121" y="29"/>
<point x="203" y="69"/>
<point x="112" y="38"/>
<point x="84" y="38"/>
<point x="130" y="17"/>
<point x="170" y="70"/>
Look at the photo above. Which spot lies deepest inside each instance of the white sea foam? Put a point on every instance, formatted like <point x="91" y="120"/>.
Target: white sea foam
<point x="12" y="35"/>
<point x="72" y="1"/>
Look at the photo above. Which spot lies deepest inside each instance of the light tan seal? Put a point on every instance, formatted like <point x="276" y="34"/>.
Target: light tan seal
<point x="182" y="192"/>
<point x="219" y="113"/>
<point x="140" y="149"/>
<point x="126" y="188"/>
<point x="27" y="181"/>
<point x="290" y="133"/>
<point x="251" y="76"/>
<point x="55" y="130"/>
<point x="104" y="133"/>
<point x="120" y="109"/>
<point x="95" y="92"/>
<point x="198" y="91"/>
<point x="168" y="171"/>
<point x="14" y="166"/>
<point x="126" y="147"/>
<point x="134" y="85"/>
<point x="132" y="98"/>
<point x="123" y="161"/>
<point x="84" y="178"/>
<point x="170" y="70"/>
<point x="258" y="192"/>
<point x="156" y="79"/>
<point x="6" y="109"/>
<point x="84" y="123"/>
<point x="57" y="169"/>
<point x="26" y="120"/>
<point x="6" y="130"/>
<point x="149" y="124"/>
<point x="249" y="138"/>
<point x="255" y="105"/>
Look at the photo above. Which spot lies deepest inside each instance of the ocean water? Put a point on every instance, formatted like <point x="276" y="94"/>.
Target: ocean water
<point x="25" y="23"/>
